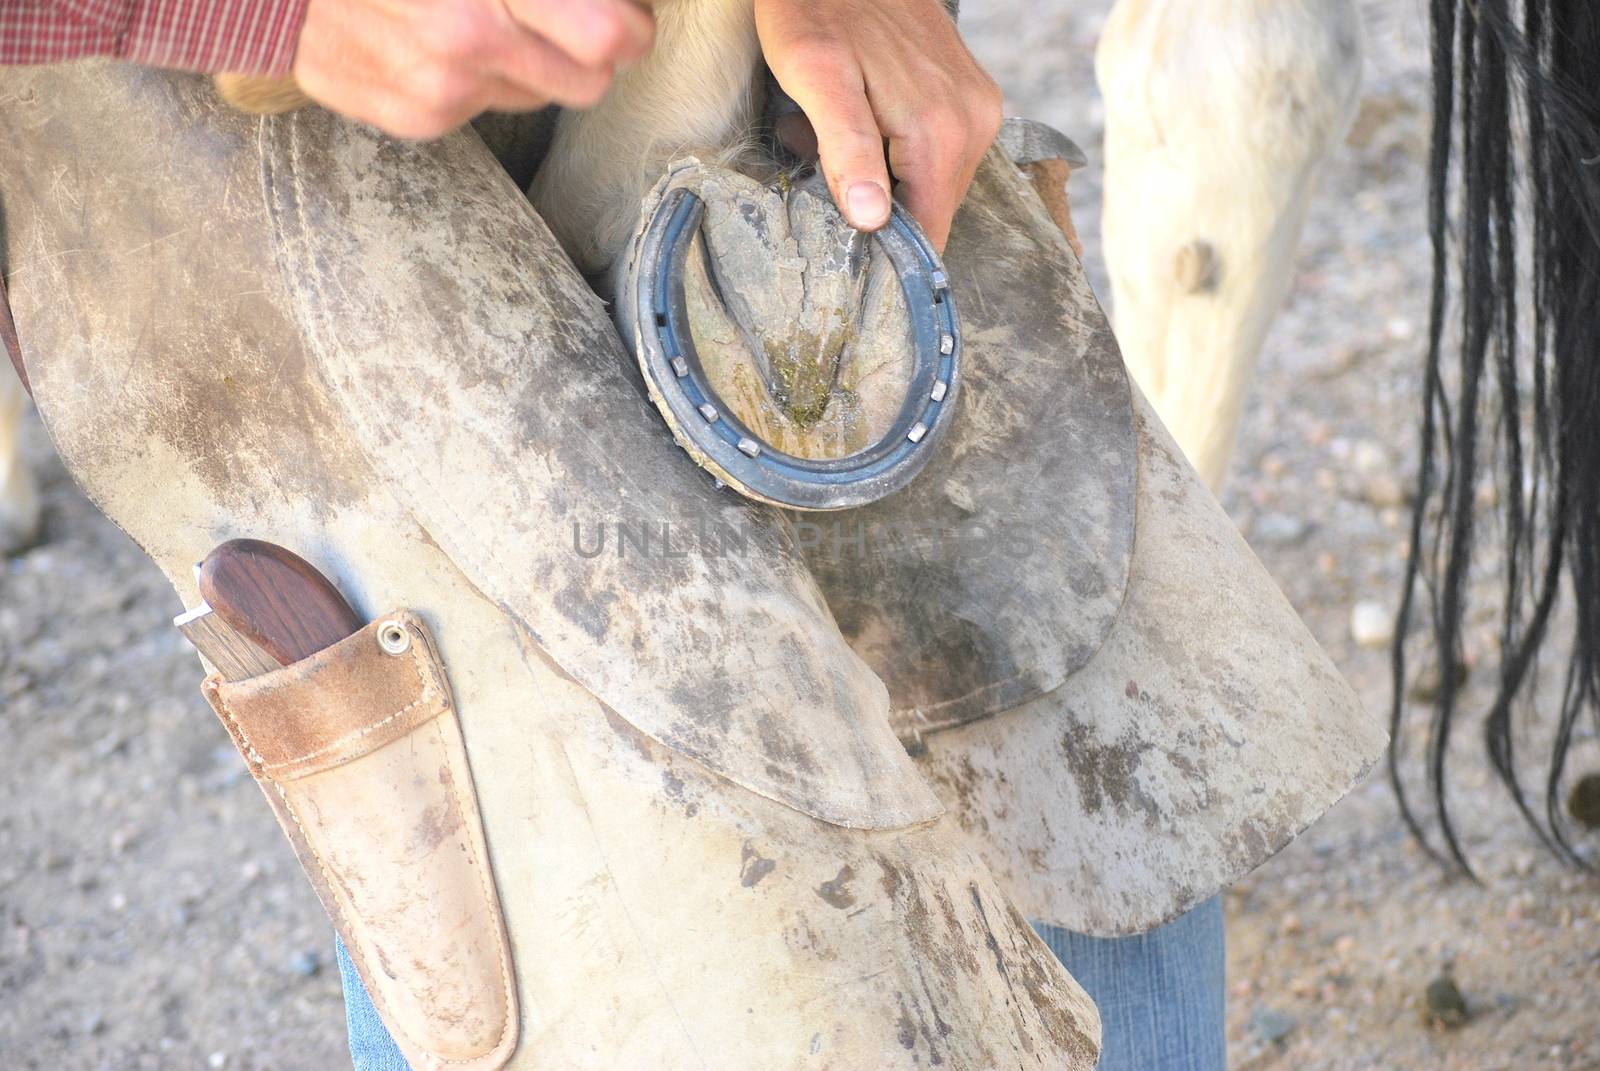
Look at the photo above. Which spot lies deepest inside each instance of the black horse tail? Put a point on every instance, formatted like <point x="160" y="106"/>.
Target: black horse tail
<point x="1514" y="213"/>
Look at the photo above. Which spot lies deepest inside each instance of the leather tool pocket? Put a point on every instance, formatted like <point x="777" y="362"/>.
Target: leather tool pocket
<point x="360" y="755"/>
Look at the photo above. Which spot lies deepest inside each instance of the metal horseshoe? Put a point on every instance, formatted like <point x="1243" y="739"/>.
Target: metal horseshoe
<point x="715" y="437"/>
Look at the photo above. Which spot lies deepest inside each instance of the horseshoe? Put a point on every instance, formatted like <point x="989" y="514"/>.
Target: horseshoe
<point x="713" y="434"/>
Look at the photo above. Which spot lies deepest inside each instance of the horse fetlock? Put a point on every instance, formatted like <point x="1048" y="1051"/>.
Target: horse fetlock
<point x="697" y="93"/>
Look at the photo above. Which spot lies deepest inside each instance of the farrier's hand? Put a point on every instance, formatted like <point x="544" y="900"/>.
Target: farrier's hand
<point x="869" y="71"/>
<point x="419" y="68"/>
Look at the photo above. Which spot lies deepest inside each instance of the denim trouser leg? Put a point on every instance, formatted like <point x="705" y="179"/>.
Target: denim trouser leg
<point x="371" y="1047"/>
<point x="1160" y="996"/>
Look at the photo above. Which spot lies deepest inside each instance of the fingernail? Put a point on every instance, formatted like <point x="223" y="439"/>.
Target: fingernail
<point x="867" y="204"/>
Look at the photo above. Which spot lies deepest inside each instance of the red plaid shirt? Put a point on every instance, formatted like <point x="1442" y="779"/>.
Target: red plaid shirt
<point x="247" y="36"/>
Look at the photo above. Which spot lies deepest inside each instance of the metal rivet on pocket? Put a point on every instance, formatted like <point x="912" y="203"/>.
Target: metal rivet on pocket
<point x="393" y="638"/>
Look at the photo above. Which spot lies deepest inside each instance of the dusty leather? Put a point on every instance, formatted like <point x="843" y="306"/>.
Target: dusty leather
<point x="1048" y="157"/>
<point x="538" y="365"/>
<point x="360" y="756"/>
<point x="1170" y="724"/>
<point x="998" y="573"/>
<point x="1207" y="732"/>
<point x="335" y="706"/>
<point x="373" y="354"/>
<point x="1050" y="179"/>
<point x="1103" y="684"/>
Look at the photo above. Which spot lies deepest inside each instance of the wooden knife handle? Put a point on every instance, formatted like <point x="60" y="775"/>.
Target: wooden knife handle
<point x="275" y="598"/>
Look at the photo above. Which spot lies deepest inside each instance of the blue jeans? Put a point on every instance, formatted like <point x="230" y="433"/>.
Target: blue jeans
<point x="1160" y="996"/>
<point x="371" y="1047"/>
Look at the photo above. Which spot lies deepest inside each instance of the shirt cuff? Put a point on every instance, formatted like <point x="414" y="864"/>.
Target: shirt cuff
<point x="241" y="36"/>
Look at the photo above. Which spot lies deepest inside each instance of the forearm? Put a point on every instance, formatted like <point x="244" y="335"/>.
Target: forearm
<point x="252" y="36"/>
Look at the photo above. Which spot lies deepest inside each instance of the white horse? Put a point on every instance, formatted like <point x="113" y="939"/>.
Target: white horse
<point x="1219" y="114"/>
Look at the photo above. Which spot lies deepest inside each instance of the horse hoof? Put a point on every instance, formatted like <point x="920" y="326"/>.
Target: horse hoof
<point x="795" y="359"/>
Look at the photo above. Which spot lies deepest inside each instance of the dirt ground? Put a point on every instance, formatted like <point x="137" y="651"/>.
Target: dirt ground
<point x="151" y="915"/>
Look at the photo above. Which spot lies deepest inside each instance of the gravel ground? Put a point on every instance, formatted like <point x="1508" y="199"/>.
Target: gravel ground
<point x="151" y="915"/>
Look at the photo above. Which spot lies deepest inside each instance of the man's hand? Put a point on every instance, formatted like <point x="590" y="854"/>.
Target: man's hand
<point x="419" y="68"/>
<point x="869" y="71"/>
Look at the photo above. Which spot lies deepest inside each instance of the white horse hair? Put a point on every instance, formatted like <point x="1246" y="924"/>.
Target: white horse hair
<point x="699" y="90"/>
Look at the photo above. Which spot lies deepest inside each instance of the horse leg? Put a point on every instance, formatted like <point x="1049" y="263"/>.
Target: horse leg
<point x="697" y="91"/>
<point x="19" y="495"/>
<point x="1218" y="118"/>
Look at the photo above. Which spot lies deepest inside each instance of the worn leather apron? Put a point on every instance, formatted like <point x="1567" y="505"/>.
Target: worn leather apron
<point x="629" y="810"/>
